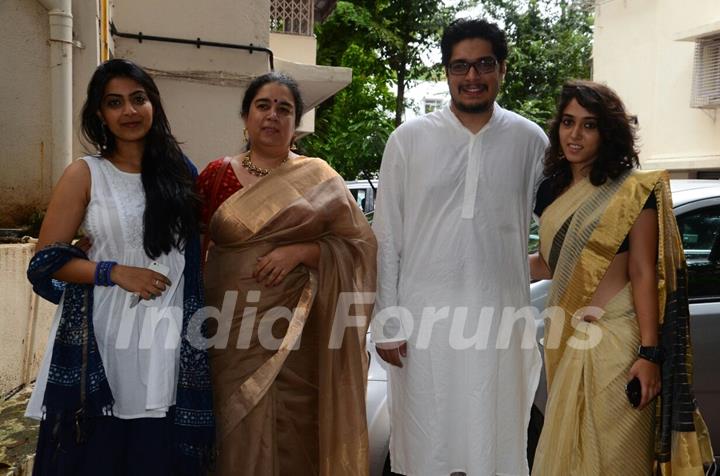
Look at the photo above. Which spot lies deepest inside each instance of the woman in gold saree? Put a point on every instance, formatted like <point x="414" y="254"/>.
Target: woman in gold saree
<point x="617" y="307"/>
<point x="288" y="359"/>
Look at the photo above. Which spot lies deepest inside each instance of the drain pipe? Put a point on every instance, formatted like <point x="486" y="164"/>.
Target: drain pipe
<point x="61" y="44"/>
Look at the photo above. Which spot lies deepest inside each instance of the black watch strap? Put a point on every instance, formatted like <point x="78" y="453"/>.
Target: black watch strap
<point x="652" y="353"/>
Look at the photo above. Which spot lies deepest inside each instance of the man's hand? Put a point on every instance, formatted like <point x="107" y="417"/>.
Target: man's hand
<point x="391" y="352"/>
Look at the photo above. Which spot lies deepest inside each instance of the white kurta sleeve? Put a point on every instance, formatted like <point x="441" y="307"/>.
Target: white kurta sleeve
<point x="539" y="163"/>
<point x="388" y="228"/>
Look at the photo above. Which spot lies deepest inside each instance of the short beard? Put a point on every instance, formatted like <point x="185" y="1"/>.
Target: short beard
<point x="473" y="109"/>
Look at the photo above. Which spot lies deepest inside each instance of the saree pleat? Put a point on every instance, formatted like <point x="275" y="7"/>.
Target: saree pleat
<point x="288" y="403"/>
<point x="590" y="428"/>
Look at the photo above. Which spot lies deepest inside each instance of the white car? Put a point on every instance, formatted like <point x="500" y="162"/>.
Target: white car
<point x="697" y="208"/>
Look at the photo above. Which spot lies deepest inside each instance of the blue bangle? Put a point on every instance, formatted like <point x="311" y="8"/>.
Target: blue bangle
<point x="102" y="273"/>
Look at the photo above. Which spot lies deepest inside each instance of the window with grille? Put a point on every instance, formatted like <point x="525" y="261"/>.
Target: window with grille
<point x="706" y="73"/>
<point x="432" y="104"/>
<point x="292" y="16"/>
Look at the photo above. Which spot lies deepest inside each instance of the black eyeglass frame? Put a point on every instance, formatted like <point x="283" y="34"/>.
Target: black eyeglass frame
<point x="484" y="65"/>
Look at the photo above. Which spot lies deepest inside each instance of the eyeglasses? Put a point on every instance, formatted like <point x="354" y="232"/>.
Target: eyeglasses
<point x="482" y="66"/>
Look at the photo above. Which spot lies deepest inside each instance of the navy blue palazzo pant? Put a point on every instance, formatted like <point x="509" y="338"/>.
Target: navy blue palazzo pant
<point x="113" y="447"/>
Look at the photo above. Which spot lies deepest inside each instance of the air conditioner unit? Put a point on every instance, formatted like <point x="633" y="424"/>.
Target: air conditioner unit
<point x="706" y="74"/>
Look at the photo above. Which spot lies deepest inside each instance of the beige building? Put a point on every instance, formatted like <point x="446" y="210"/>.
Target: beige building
<point x="663" y="58"/>
<point x="202" y="55"/>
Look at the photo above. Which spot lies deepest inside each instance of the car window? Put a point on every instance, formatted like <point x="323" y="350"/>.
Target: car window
<point x="699" y="231"/>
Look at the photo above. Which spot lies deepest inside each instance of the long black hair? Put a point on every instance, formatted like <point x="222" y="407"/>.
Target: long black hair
<point x="171" y="205"/>
<point x="617" y="152"/>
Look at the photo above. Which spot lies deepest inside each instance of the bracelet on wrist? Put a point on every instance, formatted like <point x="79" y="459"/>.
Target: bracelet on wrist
<point x="102" y="273"/>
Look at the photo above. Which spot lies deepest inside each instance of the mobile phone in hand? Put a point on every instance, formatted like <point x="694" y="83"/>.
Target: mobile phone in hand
<point x="633" y="390"/>
<point x="157" y="267"/>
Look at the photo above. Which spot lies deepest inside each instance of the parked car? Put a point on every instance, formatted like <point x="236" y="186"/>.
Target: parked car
<point x="697" y="208"/>
<point x="364" y="192"/>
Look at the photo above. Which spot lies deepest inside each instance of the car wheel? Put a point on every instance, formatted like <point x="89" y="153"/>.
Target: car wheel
<point x="534" y="428"/>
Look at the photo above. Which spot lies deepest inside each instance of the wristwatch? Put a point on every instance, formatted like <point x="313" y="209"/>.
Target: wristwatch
<point x="654" y="354"/>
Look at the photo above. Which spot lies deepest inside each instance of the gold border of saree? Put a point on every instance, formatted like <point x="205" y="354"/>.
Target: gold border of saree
<point x="607" y="213"/>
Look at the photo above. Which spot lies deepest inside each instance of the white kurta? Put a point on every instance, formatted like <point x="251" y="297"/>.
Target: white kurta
<point x="452" y="220"/>
<point x="139" y="346"/>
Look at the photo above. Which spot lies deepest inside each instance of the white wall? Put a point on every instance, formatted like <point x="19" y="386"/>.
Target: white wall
<point x="297" y="48"/>
<point x="86" y="17"/>
<point x="25" y="146"/>
<point x="417" y="93"/>
<point x="25" y="320"/>
<point x="25" y="95"/>
<point x="201" y="88"/>
<point x="636" y="52"/>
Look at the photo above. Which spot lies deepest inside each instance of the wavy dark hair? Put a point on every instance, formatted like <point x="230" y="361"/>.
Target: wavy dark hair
<point x="273" y="77"/>
<point x="617" y="151"/>
<point x="466" y="28"/>
<point x="171" y="205"/>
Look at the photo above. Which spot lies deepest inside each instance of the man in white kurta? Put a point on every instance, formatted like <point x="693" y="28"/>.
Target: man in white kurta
<point x="452" y="218"/>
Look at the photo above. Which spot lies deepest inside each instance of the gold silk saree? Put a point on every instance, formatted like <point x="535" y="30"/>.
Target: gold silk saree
<point x="289" y="383"/>
<point x="590" y="428"/>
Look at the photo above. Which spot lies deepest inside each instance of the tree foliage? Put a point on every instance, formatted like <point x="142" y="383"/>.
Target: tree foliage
<point x="550" y="43"/>
<point x="383" y="41"/>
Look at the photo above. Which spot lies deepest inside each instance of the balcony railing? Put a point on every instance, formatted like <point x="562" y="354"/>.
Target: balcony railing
<point x="295" y="17"/>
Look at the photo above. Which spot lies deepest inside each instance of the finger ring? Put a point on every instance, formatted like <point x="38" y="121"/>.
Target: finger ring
<point x="152" y="296"/>
<point x="156" y="282"/>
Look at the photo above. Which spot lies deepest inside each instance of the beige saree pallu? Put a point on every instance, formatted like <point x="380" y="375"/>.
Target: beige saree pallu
<point x="287" y="403"/>
<point x="590" y="428"/>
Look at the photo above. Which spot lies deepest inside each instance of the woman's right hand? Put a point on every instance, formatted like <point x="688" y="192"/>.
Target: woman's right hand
<point x="144" y="282"/>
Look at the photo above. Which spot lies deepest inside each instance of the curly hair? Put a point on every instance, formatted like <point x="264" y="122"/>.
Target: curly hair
<point x="464" y="29"/>
<point x="617" y="150"/>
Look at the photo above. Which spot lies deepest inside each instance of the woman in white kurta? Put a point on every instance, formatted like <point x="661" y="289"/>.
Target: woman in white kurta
<point x="118" y="391"/>
<point x="141" y="372"/>
<point x="452" y="220"/>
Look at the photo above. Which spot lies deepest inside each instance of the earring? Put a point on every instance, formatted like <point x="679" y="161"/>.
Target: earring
<point x="104" y="141"/>
<point x="245" y="134"/>
<point x="293" y="145"/>
<point x="561" y="155"/>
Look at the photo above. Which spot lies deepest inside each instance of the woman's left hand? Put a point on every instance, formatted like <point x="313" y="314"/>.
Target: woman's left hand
<point x="272" y="268"/>
<point x="649" y="375"/>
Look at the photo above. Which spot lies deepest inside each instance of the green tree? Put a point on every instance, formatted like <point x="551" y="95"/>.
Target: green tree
<point x="550" y="43"/>
<point x="383" y="41"/>
<point x="410" y="28"/>
<point x="352" y="127"/>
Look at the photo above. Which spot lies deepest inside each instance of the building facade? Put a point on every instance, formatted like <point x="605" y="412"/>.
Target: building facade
<point x="201" y="54"/>
<point x="663" y="59"/>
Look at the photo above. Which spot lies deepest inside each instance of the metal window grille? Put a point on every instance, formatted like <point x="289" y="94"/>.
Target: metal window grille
<point x="706" y="74"/>
<point x="292" y="16"/>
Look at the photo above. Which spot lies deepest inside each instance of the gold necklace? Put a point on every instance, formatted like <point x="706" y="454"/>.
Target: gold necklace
<point x="258" y="171"/>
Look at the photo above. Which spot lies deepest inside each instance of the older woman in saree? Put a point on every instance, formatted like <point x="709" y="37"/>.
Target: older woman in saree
<point x="288" y="371"/>
<point x="610" y="243"/>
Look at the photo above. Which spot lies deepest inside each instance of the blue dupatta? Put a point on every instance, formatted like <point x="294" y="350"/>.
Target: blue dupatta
<point x="77" y="384"/>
